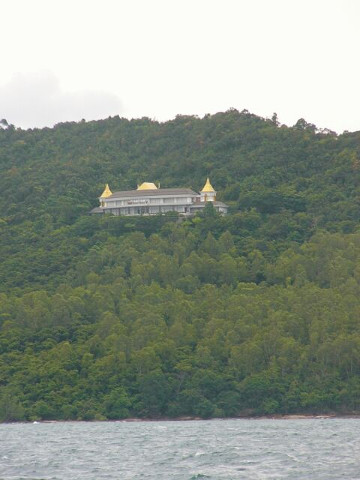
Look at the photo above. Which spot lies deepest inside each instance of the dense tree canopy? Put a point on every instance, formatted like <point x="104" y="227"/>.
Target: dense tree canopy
<point x="108" y="317"/>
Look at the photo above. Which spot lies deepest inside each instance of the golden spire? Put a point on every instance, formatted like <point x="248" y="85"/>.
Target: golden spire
<point x="208" y="187"/>
<point x="147" y="186"/>
<point x="107" y="192"/>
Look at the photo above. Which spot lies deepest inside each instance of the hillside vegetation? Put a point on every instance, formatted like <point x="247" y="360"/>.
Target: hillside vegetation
<point x="257" y="312"/>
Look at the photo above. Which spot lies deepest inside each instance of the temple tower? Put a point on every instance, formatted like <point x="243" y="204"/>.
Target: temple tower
<point x="106" y="193"/>
<point x="208" y="193"/>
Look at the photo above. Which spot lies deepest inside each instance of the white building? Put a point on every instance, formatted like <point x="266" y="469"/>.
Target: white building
<point x="147" y="199"/>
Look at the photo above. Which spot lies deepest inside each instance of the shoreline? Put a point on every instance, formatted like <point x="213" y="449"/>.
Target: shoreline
<point x="254" y="417"/>
<point x="330" y="416"/>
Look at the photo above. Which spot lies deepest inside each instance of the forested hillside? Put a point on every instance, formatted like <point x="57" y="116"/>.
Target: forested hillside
<point x="107" y="317"/>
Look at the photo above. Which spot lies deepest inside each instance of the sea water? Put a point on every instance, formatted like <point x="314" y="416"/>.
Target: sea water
<point x="214" y="449"/>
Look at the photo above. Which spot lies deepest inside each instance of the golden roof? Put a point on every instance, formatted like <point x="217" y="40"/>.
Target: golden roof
<point x="208" y="187"/>
<point x="147" y="186"/>
<point x="107" y="192"/>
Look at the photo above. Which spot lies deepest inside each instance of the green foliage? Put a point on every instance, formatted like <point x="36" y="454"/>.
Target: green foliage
<point x="109" y="317"/>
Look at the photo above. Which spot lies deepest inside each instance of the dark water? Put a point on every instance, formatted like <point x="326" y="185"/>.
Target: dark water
<point x="215" y="449"/>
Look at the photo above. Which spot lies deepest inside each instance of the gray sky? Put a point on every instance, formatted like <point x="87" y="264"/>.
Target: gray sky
<point x="73" y="59"/>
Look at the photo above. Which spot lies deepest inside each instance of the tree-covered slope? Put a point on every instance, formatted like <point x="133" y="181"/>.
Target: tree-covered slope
<point x="256" y="312"/>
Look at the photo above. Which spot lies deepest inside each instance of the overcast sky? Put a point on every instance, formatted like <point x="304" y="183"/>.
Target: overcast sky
<point x="68" y="60"/>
